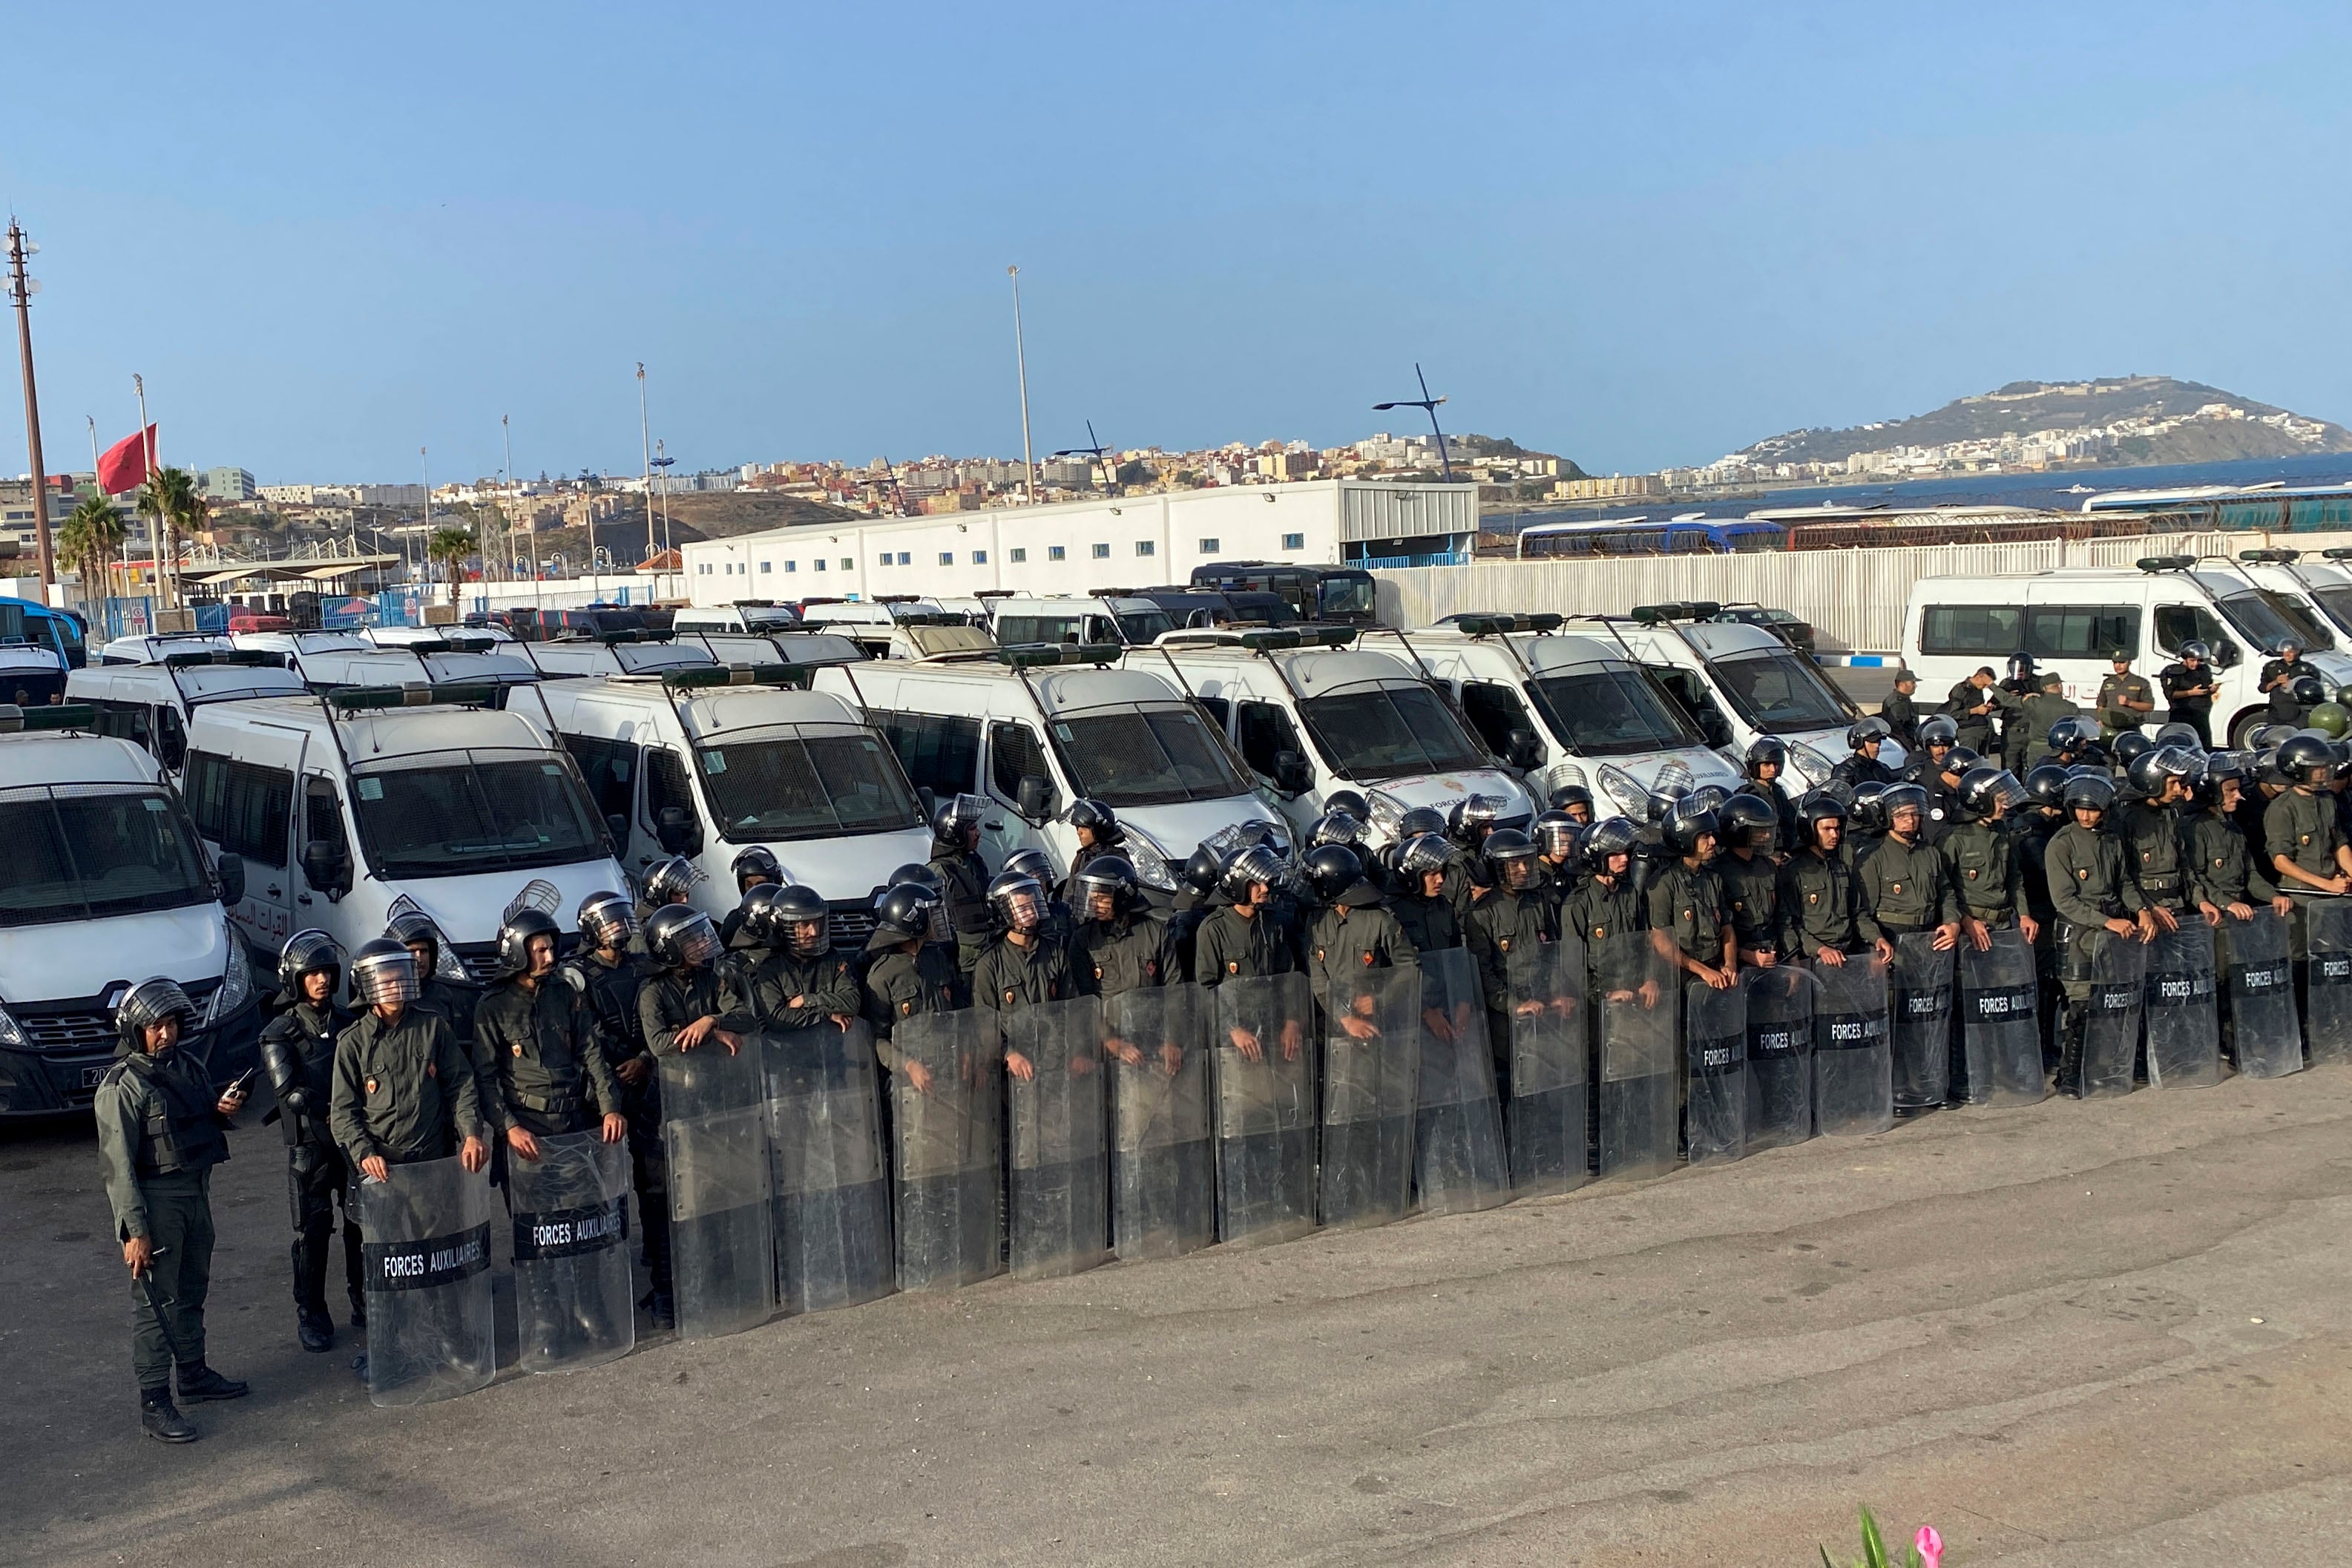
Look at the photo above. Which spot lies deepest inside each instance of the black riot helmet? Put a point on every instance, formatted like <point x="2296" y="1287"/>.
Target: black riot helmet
<point x="1862" y="731"/>
<point x="1961" y="759"/>
<point x="1472" y="818"/>
<point x="607" y="920"/>
<point x="309" y="953"/>
<point x="1351" y="802"/>
<point x="1609" y="837"/>
<point x="1902" y="798"/>
<point x="2178" y="735"/>
<point x="1938" y="730"/>
<point x="800" y="922"/>
<point x="1417" y="856"/>
<point x="1030" y="863"/>
<point x="2129" y="748"/>
<point x="1869" y="811"/>
<point x="2089" y="791"/>
<point x="1337" y="828"/>
<point x="1201" y="870"/>
<point x="414" y="928"/>
<point x="2145" y="774"/>
<point x="2020" y="665"/>
<point x="756" y="866"/>
<point x="1511" y="856"/>
<point x="921" y="873"/>
<point x="152" y="1001"/>
<point x="1982" y="788"/>
<point x="1248" y="868"/>
<point x="2220" y="767"/>
<point x="954" y="819"/>
<point x="2309" y="691"/>
<point x="384" y="971"/>
<point x="2196" y="648"/>
<point x="1686" y="822"/>
<point x="1748" y="822"/>
<point x="908" y="911"/>
<point x="1109" y="874"/>
<point x="1019" y="900"/>
<point x="2306" y="759"/>
<point x="1819" y="806"/>
<point x="1097" y="819"/>
<point x="2046" y="786"/>
<point x="1331" y="870"/>
<point x="516" y="933"/>
<point x="2071" y="735"/>
<point x="753" y="914"/>
<point x="681" y="936"/>
<point x="1556" y="833"/>
<point x="1767" y="749"/>
<point x="669" y="880"/>
<point x="1419" y="820"/>
<point x="1567" y="797"/>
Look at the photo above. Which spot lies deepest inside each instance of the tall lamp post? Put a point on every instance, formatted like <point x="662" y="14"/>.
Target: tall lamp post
<point x="1097" y="452"/>
<point x="645" y="438"/>
<point x="662" y="460"/>
<point x="21" y="290"/>
<point x="1021" y="362"/>
<point x="1428" y="405"/>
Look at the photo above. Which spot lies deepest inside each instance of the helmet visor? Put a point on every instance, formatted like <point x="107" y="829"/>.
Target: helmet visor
<point x="384" y="979"/>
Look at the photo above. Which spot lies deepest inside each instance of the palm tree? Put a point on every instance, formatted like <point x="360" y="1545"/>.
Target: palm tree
<point x="91" y="539"/>
<point x="449" y="547"/>
<point x="170" y="499"/>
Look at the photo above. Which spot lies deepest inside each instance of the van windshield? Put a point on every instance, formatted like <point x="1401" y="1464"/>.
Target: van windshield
<point x="2317" y="637"/>
<point x="1345" y="596"/>
<point x="1388" y="732"/>
<point x="84" y="851"/>
<point x="1146" y="756"/>
<point x="1142" y="627"/>
<point x="2255" y="620"/>
<point x="1779" y="692"/>
<point x="1608" y="713"/>
<point x="808" y="786"/>
<point x="2337" y="602"/>
<point x="457" y="813"/>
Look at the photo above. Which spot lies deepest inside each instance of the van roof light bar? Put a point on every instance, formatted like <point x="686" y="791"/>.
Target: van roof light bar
<point x="1679" y="610"/>
<point x="252" y="658"/>
<point x="699" y="679"/>
<point x="2271" y="556"/>
<point x="50" y="715"/>
<point x="2155" y="563"/>
<point x="416" y="694"/>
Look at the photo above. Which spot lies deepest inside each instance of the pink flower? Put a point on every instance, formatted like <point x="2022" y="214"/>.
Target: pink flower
<point x="1929" y="1545"/>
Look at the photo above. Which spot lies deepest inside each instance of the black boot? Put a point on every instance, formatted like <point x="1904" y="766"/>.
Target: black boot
<point x="2072" y="1024"/>
<point x="199" y="1382"/>
<point x="313" y="1326"/>
<point x="161" y="1420"/>
<point x="359" y="1309"/>
<point x="316" y="1331"/>
<point x="663" y="1310"/>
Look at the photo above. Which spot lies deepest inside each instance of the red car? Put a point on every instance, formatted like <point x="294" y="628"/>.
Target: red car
<point x="241" y="619"/>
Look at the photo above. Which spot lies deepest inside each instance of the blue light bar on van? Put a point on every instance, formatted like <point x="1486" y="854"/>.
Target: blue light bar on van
<point x="54" y="716"/>
<point x="698" y="678"/>
<point x="372" y="699"/>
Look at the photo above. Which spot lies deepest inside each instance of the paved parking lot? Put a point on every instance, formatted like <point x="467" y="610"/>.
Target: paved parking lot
<point x="2104" y="1333"/>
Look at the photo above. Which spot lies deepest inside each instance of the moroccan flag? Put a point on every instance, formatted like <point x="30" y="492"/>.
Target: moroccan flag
<point x="125" y="466"/>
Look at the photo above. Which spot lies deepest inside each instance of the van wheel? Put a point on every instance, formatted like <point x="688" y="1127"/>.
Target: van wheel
<point x="2242" y="727"/>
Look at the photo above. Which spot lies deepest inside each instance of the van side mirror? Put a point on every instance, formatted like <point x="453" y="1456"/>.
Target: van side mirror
<point x="1291" y="774"/>
<point x="617" y="828"/>
<point x="1034" y="798"/>
<point x="172" y="749"/>
<point x="926" y="800"/>
<point x="1523" y="750"/>
<point x="678" y="831"/>
<point x="2225" y="653"/>
<point x="1713" y="727"/>
<point x="327" y="866"/>
<point x="230" y="869"/>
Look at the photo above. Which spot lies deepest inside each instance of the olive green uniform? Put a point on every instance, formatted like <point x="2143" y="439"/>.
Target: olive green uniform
<point x="1011" y="976"/>
<point x="1985" y="871"/>
<point x="1820" y="905"/>
<point x="2303" y="828"/>
<point x="901" y="984"/>
<point x="2159" y="862"/>
<point x="1904" y="888"/>
<point x="1112" y="958"/>
<point x="2113" y="717"/>
<point x="1686" y="903"/>
<point x="1429" y="924"/>
<point x="787" y="991"/>
<point x="964" y="876"/>
<point x="405" y="1089"/>
<point x="1505" y="923"/>
<point x="2090" y="884"/>
<point x="2042" y="710"/>
<point x="1347" y="937"/>
<point x="551" y="1073"/>
<point x="160" y="1134"/>
<point x="1751" y="888"/>
<point x="673" y="999"/>
<point x="1596" y="913"/>
<point x="1962" y="703"/>
<point x="1901" y="712"/>
<point x="1232" y="947"/>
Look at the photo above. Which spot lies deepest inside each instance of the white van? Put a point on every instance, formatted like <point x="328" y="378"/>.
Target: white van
<point x="464" y="639"/>
<point x="799" y="648"/>
<point x="149" y="704"/>
<point x="615" y="653"/>
<point x="1579" y="700"/>
<point x="32" y="674"/>
<point x="1108" y="617"/>
<point x="150" y="648"/>
<point x="743" y="615"/>
<point x="355" y="805"/>
<point x="293" y="644"/>
<point x="1738" y="683"/>
<point x="1310" y="715"/>
<point x="2072" y="618"/>
<point x="427" y="663"/>
<point x="707" y="763"/>
<point x="2314" y="597"/>
<point x="106" y="883"/>
<point x="1032" y="730"/>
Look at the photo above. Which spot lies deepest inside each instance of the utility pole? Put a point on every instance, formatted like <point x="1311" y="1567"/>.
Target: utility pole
<point x="22" y="288"/>
<point x="1020" y="360"/>
<point x="424" y="472"/>
<point x="645" y="438"/>
<point x="506" y="518"/>
<point x="161" y="529"/>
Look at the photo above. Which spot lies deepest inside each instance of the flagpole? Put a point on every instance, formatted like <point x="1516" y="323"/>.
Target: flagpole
<point x="167" y="580"/>
<point x="99" y="485"/>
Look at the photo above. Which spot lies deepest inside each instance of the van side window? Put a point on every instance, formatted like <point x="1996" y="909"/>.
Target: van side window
<point x="1013" y="752"/>
<point x="2178" y="624"/>
<point x="1496" y="711"/>
<point x="665" y="785"/>
<point x="1221" y="710"/>
<point x="610" y="767"/>
<point x="1973" y="629"/>
<point x="241" y="806"/>
<point x="939" y="753"/>
<point x="1266" y="731"/>
<point x="123" y="721"/>
<point x="322" y="813"/>
<point x="169" y="735"/>
<point x="2081" y="631"/>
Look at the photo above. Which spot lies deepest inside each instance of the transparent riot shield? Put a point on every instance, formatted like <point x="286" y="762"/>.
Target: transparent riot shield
<point x="1921" y="1012"/>
<point x="1780" y="1056"/>
<point x="1264" y="1044"/>
<point x="1853" y="1070"/>
<point x="1715" y="1060"/>
<point x="945" y="1130"/>
<point x="1551" y="1089"/>
<point x="2184" y="1036"/>
<point x="2001" y="1031"/>
<point x="1163" y="1186"/>
<point x="1060" y="1208"/>
<point x="830" y="1206"/>
<point x="2327" y="1001"/>
<point x="1637" y="1044"/>
<point x="1458" y="1160"/>
<point x="426" y="1234"/>
<point x="2118" y="969"/>
<point x="2261" y="991"/>
<point x="722" y="1244"/>
<point x="575" y="1299"/>
<point x="1371" y="1079"/>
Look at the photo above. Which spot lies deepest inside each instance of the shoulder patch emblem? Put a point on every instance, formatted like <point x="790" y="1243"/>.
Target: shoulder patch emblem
<point x="517" y="1049"/>
<point x="432" y="1069"/>
<point x="1367" y="958"/>
<point x="1233" y="965"/>
<point x="1008" y="996"/>
<point x="371" y="1085"/>
<point x="2083" y="872"/>
<point x="1098" y="971"/>
<point x="1598" y="932"/>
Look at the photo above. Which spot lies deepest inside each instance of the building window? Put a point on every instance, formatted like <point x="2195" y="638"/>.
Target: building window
<point x="979" y="557"/>
<point x="845" y="563"/>
<point x="1055" y="552"/>
<point x="906" y="558"/>
<point x="1147" y="546"/>
<point x="820" y="564"/>
<point x="947" y="557"/>
<point x="789" y="565"/>
<point x="885" y="558"/>
<point x="1209" y="546"/>
<point x="1019" y="555"/>
<point x="704" y="569"/>
<point x="1294" y="541"/>
<point x="1102" y="552"/>
<point x="771" y="566"/>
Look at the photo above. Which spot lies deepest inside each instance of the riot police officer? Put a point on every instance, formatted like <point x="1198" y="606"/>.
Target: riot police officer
<point x="1864" y="737"/>
<point x="1767" y="767"/>
<point x="910" y="972"/>
<point x="1900" y="709"/>
<point x="1905" y="888"/>
<point x="963" y="875"/>
<point x="798" y="982"/>
<point x="1821" y="902"/>
<point x="1419" y="900"/>
<point x="1971" y="703"/>
<point x="1472" y="818"/>
<point x="1751" y="879"/>
<point x="2091" y="888"/>
<point x="2022" y="685"/>
<point x="1981" y="858"/>
<point x="688" y="1000"/>
<point x="1574" y="797"/>
<point x="1120" y="946"/>
<point x="405" y="1091"/>
<point x="2124" y="700"/>
<point x="2043" y="710"/>
<point x="1927" y="768"/>
<point x="161" y="1128"/>
<point x="754" y="867"/>
<point x="1026" y="964"/>
<point x="1061" y="925"/>
<point x="2189" y="690"/>
<point x="552" y="1074"/>
<point x="452" y="1000"/>
<point x="1686" y="903"/>
<point x="1196" y="892"/>
<point x="2151" y="825"/>
<point x="1558" y="859"/>
<point x="2284" y="668"/>
<point x="667" y="881"/>
<point x="2305" y="839"/>
<point x="1097" y="828"/>
<point x="1514" y="917"/>
<point x="608" y="968"/>
<point x="1238" y="942"/>
<point x="298" y="1047"/>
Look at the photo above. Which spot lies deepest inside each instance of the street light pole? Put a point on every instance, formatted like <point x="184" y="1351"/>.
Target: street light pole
<point x="506" y="519"/>
<point x="1427" y="404"/>
<point x="645" y="440"/>
<point x="20" y="288"/>
<point x="1020" y="360"/>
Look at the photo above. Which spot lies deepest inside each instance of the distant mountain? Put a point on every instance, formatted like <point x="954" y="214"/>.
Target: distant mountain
<point x="2134" y="419"/>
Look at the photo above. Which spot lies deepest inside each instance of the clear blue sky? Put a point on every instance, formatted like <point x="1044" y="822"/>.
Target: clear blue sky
<point x="1634" y="234"/>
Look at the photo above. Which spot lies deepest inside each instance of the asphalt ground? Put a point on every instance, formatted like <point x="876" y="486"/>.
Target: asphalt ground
<point x="2106" y="1332"/>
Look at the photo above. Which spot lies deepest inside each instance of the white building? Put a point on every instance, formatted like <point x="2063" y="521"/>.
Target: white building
<point x="1132" y="541"/>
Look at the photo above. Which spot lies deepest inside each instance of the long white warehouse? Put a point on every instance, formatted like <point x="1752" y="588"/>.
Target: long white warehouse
<point x="1130" y="541"/>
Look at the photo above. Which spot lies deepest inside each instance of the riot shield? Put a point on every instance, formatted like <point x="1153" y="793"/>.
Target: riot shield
<point x="1920" y="1009"/>
<point x="1163" y="1192"/>
<point x="1265" y="1088"/>
<point x="1637" y="1041"/>
<point x="426" y="1234"/>
<point x="1853" y="1070"/>
<point x="1060" y="1208"/>
<point x="2261" y="991"/>
<point x="575" y="1299"/>
<point x="2119" y="968"/>
<point x="2001" y="1031"/>
<point x="830" y="1206"/>
<point x="722" y="1244"/>
<point x="1779" y="1055"/>
<point x="1371" y="1077"/>
<point x="2327" y="1007"/>
<point x="1551" y="1088"/>
<point x="1458" y="1161"/>
<point x="946" y="1135"/>
<point x="2184" y="1037"/>
<point x="1714" y="1047"/>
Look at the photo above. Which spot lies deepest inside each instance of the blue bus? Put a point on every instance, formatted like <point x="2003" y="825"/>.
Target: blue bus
<point x="1691" y="534"/>
<point x="59" y="631"/>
